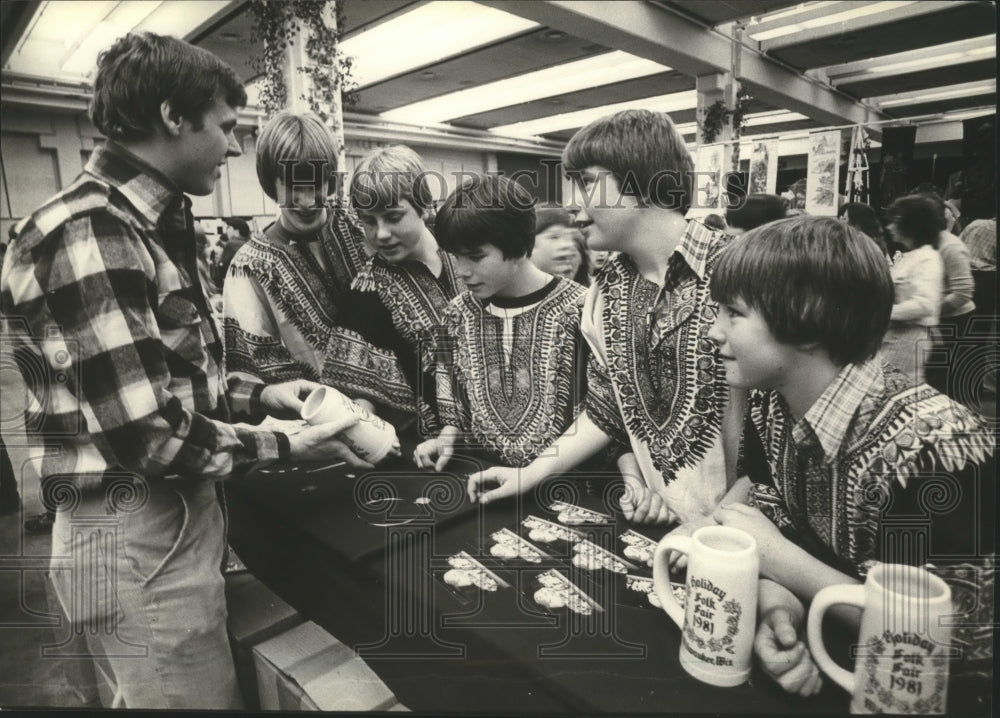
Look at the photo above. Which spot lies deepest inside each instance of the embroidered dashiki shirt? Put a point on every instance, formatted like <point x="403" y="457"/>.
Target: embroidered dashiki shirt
<point x="398" y="307"/>
<point x="880" y="470"/>
<point x="655" y="383"/>
<point x="283" y="297"/>
<point x="512" y="372"/>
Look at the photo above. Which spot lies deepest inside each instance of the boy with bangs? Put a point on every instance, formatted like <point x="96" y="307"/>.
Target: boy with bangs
<point x="840" y="447"/>
<point x="285" y="290"/>
<point x="398" y="298"/>
<point x="654" y="383"/>
<point x="511" y="362"/>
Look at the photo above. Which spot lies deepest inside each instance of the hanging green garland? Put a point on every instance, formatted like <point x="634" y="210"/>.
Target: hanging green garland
<point x="717" y="116"/>
<point x="270" y="28"/>
<point x="276" y="24"/>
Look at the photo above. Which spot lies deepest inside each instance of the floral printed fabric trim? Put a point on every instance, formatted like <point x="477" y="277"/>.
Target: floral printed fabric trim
<point x="518" y="406"/>
<point x="670" y="392"/>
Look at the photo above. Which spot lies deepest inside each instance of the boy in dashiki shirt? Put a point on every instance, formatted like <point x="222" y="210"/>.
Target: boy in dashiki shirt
<point x="654" y="382"/>
<point x="511" y="372"/>
<point x="849" y="463"/>
<point x="397" y="299"/>
<point x="285" y="290"/>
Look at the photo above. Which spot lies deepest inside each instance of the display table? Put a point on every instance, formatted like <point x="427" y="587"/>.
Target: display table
<point x="363" y="554"/>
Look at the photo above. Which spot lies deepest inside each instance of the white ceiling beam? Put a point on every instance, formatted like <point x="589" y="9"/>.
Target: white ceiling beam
<point x="809" y="34"/>
<point x="656" y="34"/>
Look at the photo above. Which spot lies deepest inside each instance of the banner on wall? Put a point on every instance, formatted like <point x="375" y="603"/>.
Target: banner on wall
<point x="822" y="176"/>
<point x="709" y="167"/>
<point x="764" y="167"/>
<point x="897" y="154"/>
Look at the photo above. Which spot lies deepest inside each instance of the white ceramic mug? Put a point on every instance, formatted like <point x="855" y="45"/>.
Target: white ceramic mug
<point x="720" y="614"/>
<point x="903" y="643"/>
<point x="371" y="438"/>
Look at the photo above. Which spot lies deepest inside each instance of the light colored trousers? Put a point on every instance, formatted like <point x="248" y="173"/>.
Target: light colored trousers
<point x="140" y="579"/>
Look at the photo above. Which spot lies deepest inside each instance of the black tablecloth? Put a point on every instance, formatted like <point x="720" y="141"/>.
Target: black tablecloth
<point x="362" y="554"/>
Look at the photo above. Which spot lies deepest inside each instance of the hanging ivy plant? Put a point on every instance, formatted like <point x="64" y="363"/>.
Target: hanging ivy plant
<point x="717" y="116"/>
<point x="270" y="33"/>
<point x="276" y="24"/>
<point x="329" y="69"/>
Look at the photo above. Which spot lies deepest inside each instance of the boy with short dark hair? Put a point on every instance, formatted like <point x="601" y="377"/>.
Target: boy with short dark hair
<point x="844" y="454"/>
<point x="511" y="371"/>
<point x="654" y="382"/>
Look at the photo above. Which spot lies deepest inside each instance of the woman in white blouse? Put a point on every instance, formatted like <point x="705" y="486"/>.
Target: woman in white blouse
<point x="918" y="275"/>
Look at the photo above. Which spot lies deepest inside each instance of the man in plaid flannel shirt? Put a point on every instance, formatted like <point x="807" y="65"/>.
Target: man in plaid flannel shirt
<point x="100" y="294"/>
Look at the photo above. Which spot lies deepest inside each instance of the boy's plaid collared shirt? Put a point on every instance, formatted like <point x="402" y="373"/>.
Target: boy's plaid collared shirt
<point x="825" y="426"/>
<point x="115" y="341"/>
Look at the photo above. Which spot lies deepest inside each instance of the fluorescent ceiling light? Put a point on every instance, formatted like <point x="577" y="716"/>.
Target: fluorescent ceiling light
<point x="663" y="103"/>
<point x="947" y="57"/>
<point x="969" y="114"/>
<point x="180" y="19"/>
<point x="917" y="98"/>
<point x="568" y="77"/>
<point x="776" y="117"/>
<point x="782" y="14"/>
<point x="772" y="117"/>
<point x="427" y="35"/>
<point x="832" y="19"/>
<point x="118" y="22"/>
<point x="935" y="56"/>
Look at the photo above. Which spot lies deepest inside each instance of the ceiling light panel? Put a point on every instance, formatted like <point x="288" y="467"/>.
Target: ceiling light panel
<point x="673" y="102"/>
<point x="427" y="35"/>
<point x="603" y="69"/>
<point x="119" y="22"/>
<point x="951" y="53"/>
<point x="968" y="89"/>
<point x="853" y="12"/>
<point x="180" y="19"/>
<point x="66" y="36"/>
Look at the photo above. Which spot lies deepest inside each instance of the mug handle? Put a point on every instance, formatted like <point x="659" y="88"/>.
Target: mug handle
<point x="853" y="595"/>
<point x="661" y="574"/>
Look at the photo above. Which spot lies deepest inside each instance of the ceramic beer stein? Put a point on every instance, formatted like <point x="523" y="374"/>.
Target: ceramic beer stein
<point x="371" y="438"/>
<point x="719" y="617"/>
<point x="903" y="644"/>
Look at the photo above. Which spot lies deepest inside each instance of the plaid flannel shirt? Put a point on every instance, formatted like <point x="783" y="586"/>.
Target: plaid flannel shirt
<point x="104" y="310"/>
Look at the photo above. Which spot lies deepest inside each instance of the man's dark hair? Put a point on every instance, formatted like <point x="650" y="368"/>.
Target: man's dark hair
<point x="239" y="225"/>
<point x="758" y="209"/>
<point x="919" y="217"/>
<point x="487" y="209"/>
<point x="142" y="70"/>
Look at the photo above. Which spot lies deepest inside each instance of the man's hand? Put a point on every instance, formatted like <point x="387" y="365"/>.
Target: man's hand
<point x="766" y="534"/>
<point x="319" y="443"/>
<point x="508" y="479"/>
<point x="289" y="395"/>
<point x="436" y="453"/>
<point x="783" y="656"/>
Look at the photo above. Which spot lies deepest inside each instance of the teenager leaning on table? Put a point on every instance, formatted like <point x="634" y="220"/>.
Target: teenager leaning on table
<point x="655" y="385"/>
<point x="136" y="425"/>
<point x="846" y="458"/>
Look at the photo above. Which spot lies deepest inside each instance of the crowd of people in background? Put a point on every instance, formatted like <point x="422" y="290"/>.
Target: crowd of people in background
<point x="755" y="370"/>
